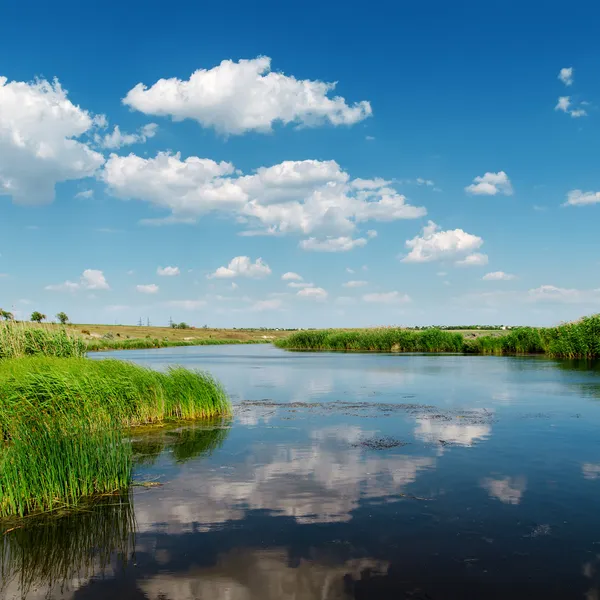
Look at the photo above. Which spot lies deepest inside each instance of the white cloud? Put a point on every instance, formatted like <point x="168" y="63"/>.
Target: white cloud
<point x="369" y="138"/>
<point x="509" y="490"/>
<point x="498" y="276"/>
<point x="387" y="298"/>
<point x="566" y="75"/>
<point x="150" y="288"/>
<point x="491" y="184"/>
<point x="310" y="197"/>
<point x="39" y="127"/>
<point x="86" y="194"/>
<point x="117" y="139"/>
<point x="168" y="271"/>
<point x="313" y="292"/>
<point x="349" y="270"/>
<point x="441" y="273"/>
<point x="234" y="285"/>
<point x="291" y="276"/>
<point x="354" y="284"/>
<point x="565" y="105"/>
<point x="91" y="279"/>
<point x="438" y="245"/>
<point x="261" y="305"/>
<point x="477" y="259"/>
<point x="300" y="284"/>
<point x="237" y="97"/>
<point x="185" y="304"/>
<point x="340" y="244"/>
<point x="581" y="198"/>
<point x="241" y="266"/>
<point x="371" y="234"/>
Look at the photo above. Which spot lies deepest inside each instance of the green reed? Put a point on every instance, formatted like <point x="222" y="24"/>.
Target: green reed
<point x="25" y="339"/>
<point x="571" y="340"/>
<point x="62" y="421"/>
<point x="374" y="340"/>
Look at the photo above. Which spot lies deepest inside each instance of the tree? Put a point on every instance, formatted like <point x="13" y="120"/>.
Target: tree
<point x="62" y="317"/>
<point x="37" y="316"/>
<point x="7" y="316"/>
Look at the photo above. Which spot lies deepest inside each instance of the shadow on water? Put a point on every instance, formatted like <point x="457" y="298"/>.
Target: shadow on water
<point x="53" y="552"/>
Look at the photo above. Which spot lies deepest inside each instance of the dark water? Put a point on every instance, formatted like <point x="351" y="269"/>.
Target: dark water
<point x="346" y="476"/>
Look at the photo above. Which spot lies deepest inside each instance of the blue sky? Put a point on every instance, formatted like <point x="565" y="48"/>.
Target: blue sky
<point x="451" y="175"/>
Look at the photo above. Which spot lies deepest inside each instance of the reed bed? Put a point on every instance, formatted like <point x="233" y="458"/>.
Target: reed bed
<point x="580" y="339"/>
<point x="375" y="340"/>
<point x="27" y="339"/>
<point x="62" y="420"/>
<point x="24" y="339"/>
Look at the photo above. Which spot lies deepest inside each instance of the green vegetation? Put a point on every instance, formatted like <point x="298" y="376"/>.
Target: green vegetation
<point x="22" y="339"/>
<point x="375" y="340"/>
<point x="572" y="340"/>
<point x="37" y="317"/>
<point x="110" y="343"/>
<point x="62" y="318"/>
<point x="63" y="421"/>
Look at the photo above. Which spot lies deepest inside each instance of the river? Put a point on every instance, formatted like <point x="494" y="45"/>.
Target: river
<point x="347" y="476"/>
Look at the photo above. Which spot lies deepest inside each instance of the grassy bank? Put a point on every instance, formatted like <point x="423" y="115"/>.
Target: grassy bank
<point x="63" y="423"/>
<point x="28" y="339"/>
<point x="572" y="340"/>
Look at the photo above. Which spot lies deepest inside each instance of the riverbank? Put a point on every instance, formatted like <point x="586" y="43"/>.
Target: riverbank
<point x="571" y="340"/>
<point x="63" y="422"/>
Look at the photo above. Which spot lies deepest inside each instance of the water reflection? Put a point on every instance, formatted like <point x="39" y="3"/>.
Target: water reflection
<point x="346" y="477"/>
<point x="509" y="490"/>
<point x="183" y="442"/>
<point x="61" y="553"/>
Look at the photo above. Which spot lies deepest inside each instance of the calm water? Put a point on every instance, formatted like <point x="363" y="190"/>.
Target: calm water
<point x="346" y="476"/>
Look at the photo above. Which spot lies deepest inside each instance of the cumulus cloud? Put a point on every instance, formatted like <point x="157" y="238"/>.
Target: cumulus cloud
<point x="354" y="284"/>
<point x="150" y="288"/>
<point x="316" y="293"/>
<point x="565" y="105"/>
<point x="477" y="259"/>
<point x="91" y="279"/>
<point x="581" y="198"/>
<point x="387" y="298"/>
<point x="236" y="97"/>
<point x="291" y="276"/>
<point x="566" y="75"/>
<point x="339" y="244"/>
<point x="118" y="139"/>
<point x="498" y="276"/>
<point x="242" y="266"/>
<point x="39" y="127"/>
<point x="168" y="271"/>
<point x="85" y="194"/>
<point x="491" y="184"/>
<point x="309" y="197"/>
<point x="434" y="244"/>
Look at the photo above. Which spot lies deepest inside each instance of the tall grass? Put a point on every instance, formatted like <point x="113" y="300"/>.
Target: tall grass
<point x="374" y="340"/>
<point x="27" y="339"/>
<point x="24" y="339"/>
<point x="98" y="345"/>
<point x="62" y="421"/>
<point x="571" y="340"/>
